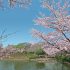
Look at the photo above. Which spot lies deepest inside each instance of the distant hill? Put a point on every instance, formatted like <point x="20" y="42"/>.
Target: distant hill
<point x="22" y="45"/>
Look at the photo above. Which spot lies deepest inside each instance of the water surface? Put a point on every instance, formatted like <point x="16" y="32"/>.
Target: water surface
<point x="20" y="65"/>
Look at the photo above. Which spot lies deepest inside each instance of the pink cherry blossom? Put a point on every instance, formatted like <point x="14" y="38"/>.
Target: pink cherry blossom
<point x="59" y="21"/>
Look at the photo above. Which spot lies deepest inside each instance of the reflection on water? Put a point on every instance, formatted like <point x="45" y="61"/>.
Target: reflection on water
<point x="40" y="65"/>
<point x="20" y="65"/>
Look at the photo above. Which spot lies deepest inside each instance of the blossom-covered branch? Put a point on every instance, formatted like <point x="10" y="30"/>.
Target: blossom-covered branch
<point x="15" y="3"/>
<point x="59" y="21"/>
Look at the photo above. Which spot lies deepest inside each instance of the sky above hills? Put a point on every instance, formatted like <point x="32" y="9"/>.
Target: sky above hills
<point x="20" y="20"/>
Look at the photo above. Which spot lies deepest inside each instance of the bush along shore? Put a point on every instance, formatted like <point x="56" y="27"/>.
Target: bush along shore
<point x="27" y="57"/>
<point x="22" y="52"/>
<point x="63" y="57"/>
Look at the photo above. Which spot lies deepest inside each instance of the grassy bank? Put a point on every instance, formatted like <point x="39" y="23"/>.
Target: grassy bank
<point x="26" y="57"/>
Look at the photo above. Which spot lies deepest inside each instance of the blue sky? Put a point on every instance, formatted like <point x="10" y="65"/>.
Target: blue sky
<point x="20" y="20"/>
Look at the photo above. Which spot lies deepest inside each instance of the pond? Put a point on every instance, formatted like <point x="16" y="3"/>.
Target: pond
<point x="20" y="65"/>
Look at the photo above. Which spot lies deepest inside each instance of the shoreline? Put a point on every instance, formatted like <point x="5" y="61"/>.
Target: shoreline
<point x="36" y="59"/>
<point x="41" y="60"/>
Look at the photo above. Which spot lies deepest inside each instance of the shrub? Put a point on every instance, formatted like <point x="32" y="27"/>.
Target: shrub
<point x="39" y="52"/>
<point x="63" y="58"/>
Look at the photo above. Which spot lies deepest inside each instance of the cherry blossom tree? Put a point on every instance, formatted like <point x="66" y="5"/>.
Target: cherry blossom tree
<point x="58" y="20"/>
<point x="4" y="36"/>
<point x="14" y="3"/>
<point x="21" y="3"/>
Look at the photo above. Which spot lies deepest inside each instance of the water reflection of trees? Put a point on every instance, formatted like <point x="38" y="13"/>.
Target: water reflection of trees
<point x="6" y="65"/>
<point x="61" y="66"/>
<point x="20" y="65"/>
<point x="40" y="65"/>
